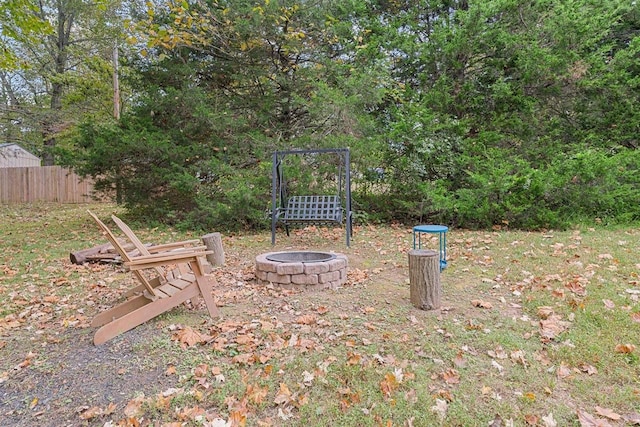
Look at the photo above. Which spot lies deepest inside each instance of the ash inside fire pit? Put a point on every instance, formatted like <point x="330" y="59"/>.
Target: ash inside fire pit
<point x="302" y="256"/>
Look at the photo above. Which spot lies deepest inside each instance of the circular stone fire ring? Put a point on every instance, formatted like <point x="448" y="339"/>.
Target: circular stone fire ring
<point x="302" y="269"/>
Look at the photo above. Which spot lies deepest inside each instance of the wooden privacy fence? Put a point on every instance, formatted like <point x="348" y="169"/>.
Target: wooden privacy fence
<point x="43" y="184"/>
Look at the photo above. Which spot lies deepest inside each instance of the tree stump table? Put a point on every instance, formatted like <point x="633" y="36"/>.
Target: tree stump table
<point x="424" y="279"/>
<point x="213" y="242"/>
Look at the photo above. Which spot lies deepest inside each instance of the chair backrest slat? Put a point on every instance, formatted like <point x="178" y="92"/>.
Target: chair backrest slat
<point x="122" y="252"/>
<point x="131" y="235"/>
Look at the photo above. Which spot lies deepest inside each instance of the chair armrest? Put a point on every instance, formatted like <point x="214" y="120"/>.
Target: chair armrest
<point x="170" y="246"/>
<point x="156" y="260"/>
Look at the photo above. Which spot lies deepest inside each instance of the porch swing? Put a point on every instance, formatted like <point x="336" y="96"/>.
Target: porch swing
<point x="311" y="209"/>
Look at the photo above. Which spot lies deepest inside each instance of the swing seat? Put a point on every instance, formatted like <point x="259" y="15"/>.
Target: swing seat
<point x="312" y="210"/>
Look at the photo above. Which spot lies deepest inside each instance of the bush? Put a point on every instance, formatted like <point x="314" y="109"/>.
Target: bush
<point x="497" y="188"/>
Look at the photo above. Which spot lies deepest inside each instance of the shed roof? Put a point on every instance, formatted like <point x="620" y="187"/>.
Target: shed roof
<point x="24" y="153"/>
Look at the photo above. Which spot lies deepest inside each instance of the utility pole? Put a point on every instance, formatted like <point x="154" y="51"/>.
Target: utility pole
<point x="116" y="84"/>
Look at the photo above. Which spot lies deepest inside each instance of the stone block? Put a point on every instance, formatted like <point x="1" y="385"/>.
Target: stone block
<point x="261" y="275"/>
<point x="304" y="279"/>
<point x="262" y="263"/>
<point x="329" y="276"/>
<point x="316" y="268"/>
<point x="334" y="285"/>
<point x="278" y="278"/>
<point x="290" y="268"/>
<point x="343" y="275"/>
<point x="337" y="264"/>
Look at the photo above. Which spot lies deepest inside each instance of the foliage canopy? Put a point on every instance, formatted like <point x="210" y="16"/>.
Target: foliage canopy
<point x="480" y="113"/>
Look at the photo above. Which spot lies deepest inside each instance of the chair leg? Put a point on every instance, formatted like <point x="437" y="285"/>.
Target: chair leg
<point x="119" y="310"/>
<point x="206" y="288"/>
<point x="140" y="315"/>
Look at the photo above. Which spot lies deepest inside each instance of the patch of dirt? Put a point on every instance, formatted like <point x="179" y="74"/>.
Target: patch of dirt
<point x="66" y="378"/>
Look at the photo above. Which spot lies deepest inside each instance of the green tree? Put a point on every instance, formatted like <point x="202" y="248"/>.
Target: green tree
<point x="61" y="71"/>
<point x="456" y="111"/>
<point x="19" y="22"/>
<point x="530" y="81"/>
<point x="219" y="88"/>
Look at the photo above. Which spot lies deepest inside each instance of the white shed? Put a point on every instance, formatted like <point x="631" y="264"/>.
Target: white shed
<point x="14" y="156"/>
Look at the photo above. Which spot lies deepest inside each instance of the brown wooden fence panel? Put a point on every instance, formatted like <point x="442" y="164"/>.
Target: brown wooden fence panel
<point x="43" y="184"/>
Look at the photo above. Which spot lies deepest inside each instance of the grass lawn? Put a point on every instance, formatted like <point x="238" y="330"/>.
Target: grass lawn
<point x="535" y="329"/>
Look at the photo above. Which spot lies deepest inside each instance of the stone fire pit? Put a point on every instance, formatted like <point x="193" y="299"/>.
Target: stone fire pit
<point x="302" y="269"/>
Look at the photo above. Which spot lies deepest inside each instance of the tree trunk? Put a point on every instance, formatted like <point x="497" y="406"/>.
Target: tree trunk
<point x="424" y="279"/>
<point x="213" y="242"/>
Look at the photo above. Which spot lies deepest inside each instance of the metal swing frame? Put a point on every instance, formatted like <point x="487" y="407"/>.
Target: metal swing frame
<point x="317" y="209"/>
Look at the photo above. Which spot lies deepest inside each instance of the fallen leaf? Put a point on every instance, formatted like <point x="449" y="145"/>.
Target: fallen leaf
<point x="481" y="304"/>
<point x="451" y="376"/>
<point x="307" y="319"/>
<point x="444" y="394"/>
<point x="353" y="358"/>
<point x="134" y="407"/>
<point x="518" y="357"/>
<point x="549" y="421"/>
<point x="188" y="337"/>
<point x="256" y="394"/>
<point x="459" y="360"/>
<point x="588" y="369"/>
<point x="605" y="412"/>
<point x="552" y="327"/>
<point x="201" y="370"/>
<point x="588" y="420"/>
<point x="91" y="413"/>
<point x="192" y="413"/>
<point x="440" y="408"/>
<point x="322" y="310"/>
<point x="625" y="348"/>
<point x="563" y="371"/>
<point x="283" y="396"/>
<point x="237" y="418"/>
<point x="389" y="384"/>
<point x="498" y="353"/>
<point x="544" y="312"/>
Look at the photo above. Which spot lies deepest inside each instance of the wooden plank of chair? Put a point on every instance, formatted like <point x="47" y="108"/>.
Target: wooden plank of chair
<point x="175" y="245"/>
<point x="181" y="283"/>
<point x="125" y="256"/>
<point x="133" y="318"/>
<point x="148" y="250"/>
<point x="144" y="262"/>
<point x="171" y="247"/>
<point x="131" y="235"/>
<point x="137" y="243"/>
<point x="189" y="277"/>
<point x="169" y="289"/>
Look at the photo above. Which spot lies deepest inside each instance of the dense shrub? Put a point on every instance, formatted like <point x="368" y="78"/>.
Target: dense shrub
<point x="496" y="189"/>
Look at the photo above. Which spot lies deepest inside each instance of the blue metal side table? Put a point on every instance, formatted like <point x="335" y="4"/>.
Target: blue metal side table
<point x="441" y="231"/>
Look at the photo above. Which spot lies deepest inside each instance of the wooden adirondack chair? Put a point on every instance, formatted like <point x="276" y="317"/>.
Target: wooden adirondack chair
<point x="169" y="276"/>
<point x="183" y="268"/>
